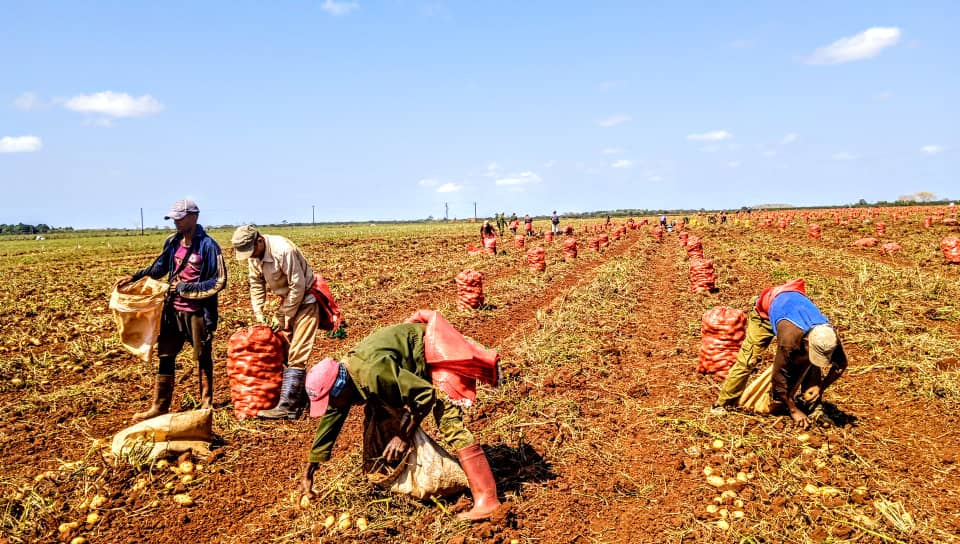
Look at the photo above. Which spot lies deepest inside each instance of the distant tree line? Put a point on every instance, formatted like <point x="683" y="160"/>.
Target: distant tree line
<point x="23" y="228"/>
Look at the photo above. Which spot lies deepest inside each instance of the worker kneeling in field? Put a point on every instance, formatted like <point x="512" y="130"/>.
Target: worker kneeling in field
<point x="809" y="354"/>
<point x="277" y="264"/>
<point x="389" y="372"/>
<point x="194" y="268"/>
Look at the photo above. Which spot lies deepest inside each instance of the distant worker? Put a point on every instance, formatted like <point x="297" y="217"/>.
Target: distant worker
<point x="663" y="221"/>
<point x="487" y="232"/>
<point x="501" y="223"/>
<point x="555" y="222"/>
<point x="514" y="225"/>
<point x="388" y="372"/>
<point x="193" y="266"/>
<point x="528" y="225"/>
<point x="276" y="264"/>
<point x="808" y="352"/>
<point x="723" y="216"/>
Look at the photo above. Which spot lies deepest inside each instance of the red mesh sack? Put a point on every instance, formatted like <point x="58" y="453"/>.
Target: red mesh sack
<point x="702" y="276"/>
<point x="490" y="245"/>
<point x="570" y="248"/>
<point x="255" y="358"/>
<point x="536" y="259"/>
<point x="604" y="240"/>
<point x="594" y="243"/>
<point x="658" y="233"/>
<point x="568" y="230"/>
<point x="880" y="228"/>
<point x="683" y="238"/>
<point x="949" y="221"/>
<point x="951" y="249"/>
<point x="548" y="237"/>
<point x="865" y="242"/>
<point x="694" y="247"/>
<point x="519" y="241"/>
<point x="813" y="231"/>
<point x="927" y="222"/>
<point x="890" y="248"/>
<point x="469" y="290"/>
<point x="722" y="331"/>
<point x="782" y="224"/>
<point x="472" y="249"/>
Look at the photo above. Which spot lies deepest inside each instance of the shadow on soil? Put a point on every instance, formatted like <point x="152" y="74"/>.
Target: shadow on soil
<point x="514" y="466"/>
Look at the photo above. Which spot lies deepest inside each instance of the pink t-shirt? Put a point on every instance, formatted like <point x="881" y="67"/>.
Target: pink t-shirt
<point x="190" y="273"/>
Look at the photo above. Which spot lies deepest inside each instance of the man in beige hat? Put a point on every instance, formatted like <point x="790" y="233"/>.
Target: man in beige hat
<point x="809" y="354"/>
<point x="277" y="264"/>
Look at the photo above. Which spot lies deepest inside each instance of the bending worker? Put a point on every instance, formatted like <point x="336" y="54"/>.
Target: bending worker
<point x="277" y="264"/>
<point x="809" y="354"/>
<point x="388" y="372"/>
<point x="193" y="265"/>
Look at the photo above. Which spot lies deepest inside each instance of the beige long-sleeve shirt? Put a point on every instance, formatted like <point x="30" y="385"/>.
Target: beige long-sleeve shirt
<point x="285" y="272"/>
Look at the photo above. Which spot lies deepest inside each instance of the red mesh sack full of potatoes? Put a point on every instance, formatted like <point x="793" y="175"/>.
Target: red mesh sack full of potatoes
<point x="536" y="259"/>
<point x="865" y="242"/>
<point x="570" y="248"/>
<point x="722" y="331"/>
<point x="519" y="241"/>
<point x="702" y="276"/>
<point x="951" y="249"/>
<point x="694" y="247"/>
<point x="469" y="290"/>
<point x="814" y="231"/>
<point x="255" y="358"/>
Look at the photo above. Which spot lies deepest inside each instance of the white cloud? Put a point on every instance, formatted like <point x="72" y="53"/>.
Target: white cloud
<point x="712" y="136"/>
<point x="427" y="182"/>
<point x="622" y="163"/>
<point x="734" y="164"/>
<point x="614" y="120"/>
<point x="932" y="149"/>
<point x="449" y="187"/>
<point x="27" y="102"/>
<point x="612" y="151"/>
<point x="114" y="104"/>
<point x="844" y="156"/>
<point x="522" y="178"/>
<point x="335" y="8"/>
<point x="864" y="45"/>
<point x="789" y="139"/>
<point x="20" y="144"/>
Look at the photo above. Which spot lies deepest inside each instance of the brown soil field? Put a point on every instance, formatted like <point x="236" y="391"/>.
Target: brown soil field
<point x="600" y="431"/>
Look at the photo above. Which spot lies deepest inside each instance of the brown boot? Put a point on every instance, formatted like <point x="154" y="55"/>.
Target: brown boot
<point x="206" y="388"/>
<point x="482" y="485"/>
<point x="161" y="399"/>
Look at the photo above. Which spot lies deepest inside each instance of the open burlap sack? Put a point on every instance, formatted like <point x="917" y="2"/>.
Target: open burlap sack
<point x="166" y="435"/>
<point x="426" y="471"/>
<point x="137" y="308"/>
<point x="756" y="397"/>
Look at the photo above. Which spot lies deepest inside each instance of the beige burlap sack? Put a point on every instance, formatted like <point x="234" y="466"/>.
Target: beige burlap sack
<point x="137" y="308"/>
<point x="166" y="435"/>
<point x="426" y="471"/>
<point x="756" y="397"/>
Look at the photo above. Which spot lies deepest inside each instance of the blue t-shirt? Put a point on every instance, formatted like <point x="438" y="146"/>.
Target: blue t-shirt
<point x="797" y="309"/>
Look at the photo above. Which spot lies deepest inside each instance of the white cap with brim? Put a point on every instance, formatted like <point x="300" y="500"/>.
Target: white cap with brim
<point x="822" y="340"/>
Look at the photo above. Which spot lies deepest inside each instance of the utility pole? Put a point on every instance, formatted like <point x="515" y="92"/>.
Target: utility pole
<point x="474" y="211"/>
<point x="313" y="215"/>
<point x="141" y="221"/>
<point x="446" y="211"/>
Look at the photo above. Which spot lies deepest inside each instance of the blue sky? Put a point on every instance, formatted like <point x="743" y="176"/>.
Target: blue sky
<point x="378" y="110"/>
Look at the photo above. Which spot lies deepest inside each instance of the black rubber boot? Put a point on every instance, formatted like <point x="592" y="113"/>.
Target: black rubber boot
<point x="291" y="391"/>
<point x="163" y="395"/>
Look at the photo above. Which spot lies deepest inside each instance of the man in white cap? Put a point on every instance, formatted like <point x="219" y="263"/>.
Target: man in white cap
<point x="388" y="372"/>
<point x="809" y="354"/>
<point x="276" y="264"/>
<point x="192" y="263"/>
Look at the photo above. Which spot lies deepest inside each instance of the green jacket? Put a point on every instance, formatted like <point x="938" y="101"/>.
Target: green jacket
<point x="388" y="367"/>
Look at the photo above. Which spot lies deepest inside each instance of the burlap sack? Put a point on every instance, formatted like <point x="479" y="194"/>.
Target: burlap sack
<point x="756" y="397"/>
<point x="137" y="308"/>
<point x="426" y="471"/>
<point x="166" y="435"/>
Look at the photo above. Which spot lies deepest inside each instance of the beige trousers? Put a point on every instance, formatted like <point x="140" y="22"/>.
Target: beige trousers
<point x="304" y="334"/>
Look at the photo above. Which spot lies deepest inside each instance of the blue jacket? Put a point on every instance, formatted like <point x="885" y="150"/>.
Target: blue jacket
<point x="213" y="272"/>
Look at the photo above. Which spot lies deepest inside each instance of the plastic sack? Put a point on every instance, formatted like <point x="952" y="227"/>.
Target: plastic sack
<point x="427" y="470"/>
<point x="166" y="435"/>
<point x="694" y="247"/>
<point x="255" y="357"/>
<point x="702" y="276"/>
<point x="570" y="248"/>
<point x="456" y="362"/>
<point x="469" y="290"/>
<point x="330" y="317"/>
<point x="490" y="245"/>
<point x="880" y="228"/>
<point x="473" y="250"/>
<point x="536" y="259"/>
<point x="519" y="241"/>
<point x="137" y="309"/>
<point x="865" y="242"/>
<point x="951" y="249"/>
<point x="603" y="240"/>
<point x="594" y="244"/>
<point x="927" y="222"/>
<point x="756" y="397"/>
<point x="722" y="331"/>
<point x="548" y="237"/>
<point x="658" y="233"/>
<point x="813" y="231"/>
<point x="890" y="248"/>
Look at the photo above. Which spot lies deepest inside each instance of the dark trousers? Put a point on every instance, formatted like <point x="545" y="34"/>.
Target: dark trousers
<point x="178" y="327"/>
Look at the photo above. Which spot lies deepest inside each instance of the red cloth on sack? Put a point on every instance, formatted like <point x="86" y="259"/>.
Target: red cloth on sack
<point x="330" y="316"/>
<point x="770" y="293"/>
<point x="456" y="362"/>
